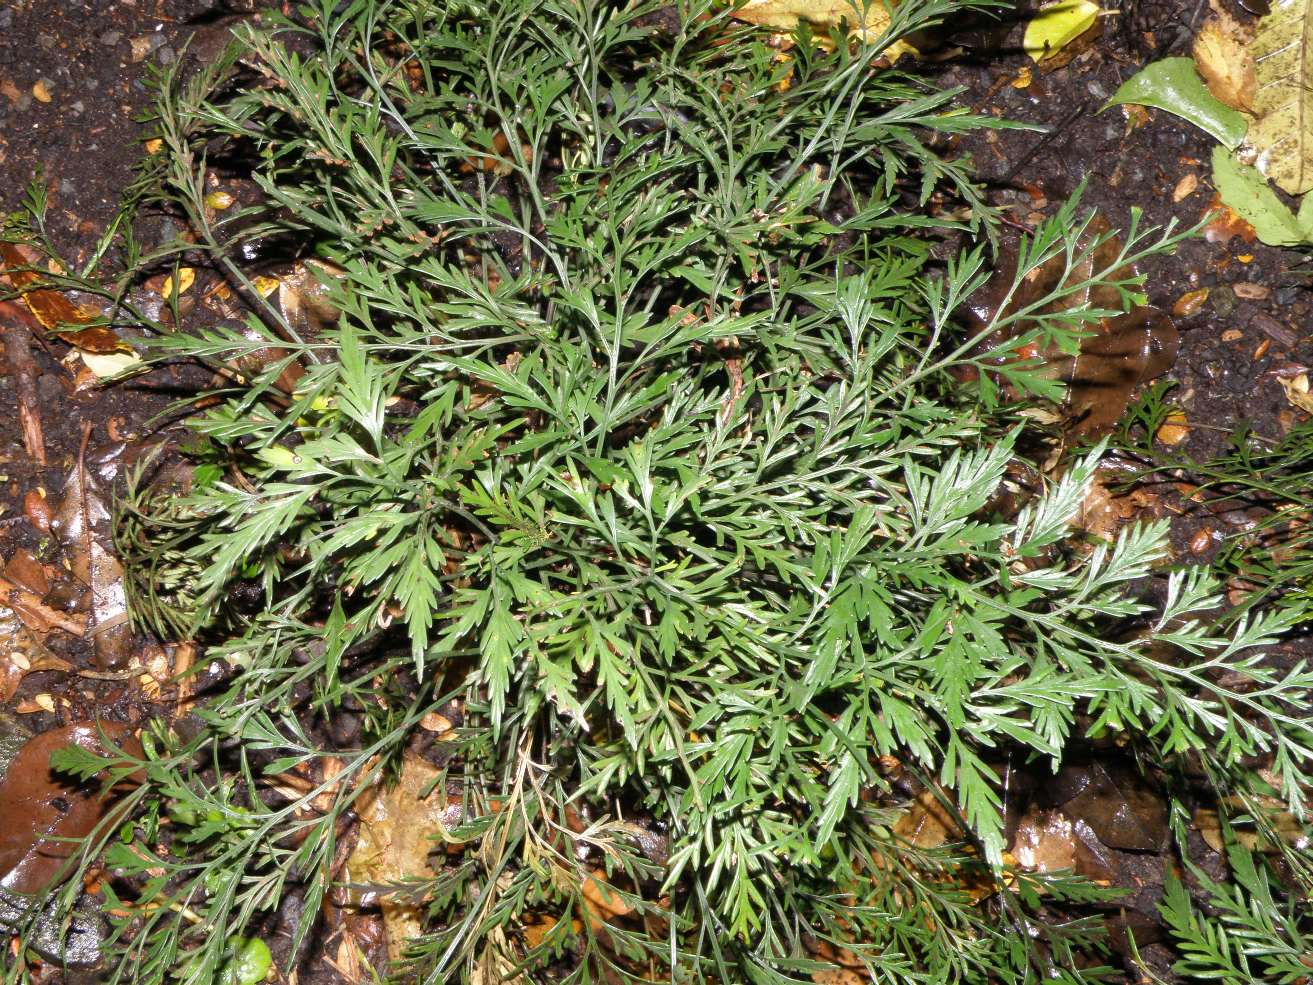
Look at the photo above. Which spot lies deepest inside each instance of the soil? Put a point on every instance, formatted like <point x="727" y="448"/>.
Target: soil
<point x="74" y="82"/>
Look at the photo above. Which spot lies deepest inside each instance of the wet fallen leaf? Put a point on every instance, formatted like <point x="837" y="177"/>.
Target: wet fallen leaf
<point x="1224" y="224"/>
<point x="927" y="823"/>
<point x="53" y="310"/>
<point x="1297" y="391"/>
<point x="41" y="91"/>
<point x="37" y="510"/>
<point x="219" y="201"/>
<point x="1023" y="78"/>
<point x="1221" y="53"/>
<point x="1190" y="303"/>
<point x="1173" y="84"/>
<point x="1057" y="25"/>
<point x="1173" y="430"/>
<point x="82" y="526"/>
<point x="1284" y="825"/>
<point x="1280" y="139"/>
<point x="1128" y="350"/>
<point x="23" y="652"/>
<point x="1044" y="842"/>
<point x="42" y="809"/>
<point x="186" y="277"/>
<point x="1248" y="193"/>
<point x="1121" y="353"/>
<point x="787" y="14"/>
<point x="398" y="826"/>
<point x="154" y="145"/>
<point x="602" y="899"/>
<point x="1119" y="807"/>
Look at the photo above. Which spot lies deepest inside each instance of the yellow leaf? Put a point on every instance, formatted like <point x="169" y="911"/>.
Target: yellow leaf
<point x="1057" y="25"/>
<point x="1297" y="392"/>
<point x="787" y="14"/>
<point x="1222" y="55"/>
<point x="219" y="201"/>
<point x="186" y="277"/>
<point x="265" y="285"/>
<point x="1280" y="141"/>
<point x="105" y="365"/>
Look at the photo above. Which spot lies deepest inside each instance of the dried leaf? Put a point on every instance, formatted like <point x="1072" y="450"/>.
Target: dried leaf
<point x="1297" y="392"/>
<point x="1174" y="429"/>
<point x="1222" y="55"/>
<point x="1057" y="25"/>
<point x="54" y="311"/>
<point x="1281" y="138"/>
<point x="82" y="526"/>
<point x="108" y="365"/>
<point x="787" y="14"/>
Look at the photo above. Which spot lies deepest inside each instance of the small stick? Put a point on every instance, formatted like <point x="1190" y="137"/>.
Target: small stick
<point x="25" y="371"/>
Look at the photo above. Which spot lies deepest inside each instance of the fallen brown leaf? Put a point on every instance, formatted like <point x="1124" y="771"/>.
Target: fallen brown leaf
<point x="52" y="309"/>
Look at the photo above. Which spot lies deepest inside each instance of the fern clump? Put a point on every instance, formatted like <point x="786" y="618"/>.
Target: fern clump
<point x="637" y="437"/>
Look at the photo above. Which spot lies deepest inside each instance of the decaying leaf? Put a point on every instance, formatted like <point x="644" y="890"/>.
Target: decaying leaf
<point x="55" y="312"/>
<point x="1128" y="350"/>
<point x="869" y="19"/>
<point x="1281" y="138"/>
<point x="111" y="364"/>
<point x="82" y="526"/>
<point x="1223" y="57"/>
<point x="927" y="823"/>
<point x="1297" y="391"/>
<point x="1058" y="24"/>
<point x="1118" y="806"/>
<point x="1173" y="85"/>
<point x="398" y="827"/>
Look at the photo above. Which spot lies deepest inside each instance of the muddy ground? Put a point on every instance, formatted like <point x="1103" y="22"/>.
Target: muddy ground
<point x="73" y="84"/>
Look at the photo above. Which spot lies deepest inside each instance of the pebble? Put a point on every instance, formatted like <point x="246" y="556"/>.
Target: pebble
<point x="78" y="108"/>
<point x="166" y="55"/>
<point x="6" y="18"/>
<point x="1096" y="90"/>
<point x="110" y="38"/>
<point x="67" y="188"/>
<point x="1224" y="300"/>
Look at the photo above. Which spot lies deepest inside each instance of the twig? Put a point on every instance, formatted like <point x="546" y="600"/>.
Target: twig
<point x="25" y="372"/>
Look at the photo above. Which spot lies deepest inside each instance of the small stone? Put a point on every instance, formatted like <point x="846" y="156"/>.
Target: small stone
<point x="1224" y="301"/>
<point x="42" y="90"/>
<point x="1250" y="292"/>
<point x="166" y="55"/>
<point x="111" y="38"/>
<point x="1202" y="540"/>
<point x="141" y="47"/>
<point x="46" y="41"/>
<point x="78" y="108"/>
<point x="1232" y="335"/>
<point x="66" y="188"/>
<point x="6" y="18"/>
